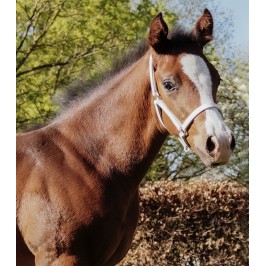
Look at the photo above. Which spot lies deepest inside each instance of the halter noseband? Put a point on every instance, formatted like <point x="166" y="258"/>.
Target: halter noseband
<point x="160" y="105"/>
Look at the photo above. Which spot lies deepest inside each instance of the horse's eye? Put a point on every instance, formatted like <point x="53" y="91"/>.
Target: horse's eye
<point x="169" y="86"/>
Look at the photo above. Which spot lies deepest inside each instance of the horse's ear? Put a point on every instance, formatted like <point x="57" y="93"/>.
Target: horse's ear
<point x="158" y="33"/>
<point x="203" y="28"/>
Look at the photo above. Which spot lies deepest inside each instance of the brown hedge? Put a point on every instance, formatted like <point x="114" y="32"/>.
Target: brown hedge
<point x="191" y="223"/>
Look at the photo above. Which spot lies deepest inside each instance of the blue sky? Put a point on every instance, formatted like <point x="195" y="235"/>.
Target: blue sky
<point x="240" y="9"/>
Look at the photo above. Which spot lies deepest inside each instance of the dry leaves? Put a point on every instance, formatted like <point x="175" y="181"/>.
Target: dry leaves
<point x="191" y="223"/>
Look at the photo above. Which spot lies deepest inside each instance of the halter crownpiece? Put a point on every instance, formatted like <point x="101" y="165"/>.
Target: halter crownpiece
<point x="160" y="105"/>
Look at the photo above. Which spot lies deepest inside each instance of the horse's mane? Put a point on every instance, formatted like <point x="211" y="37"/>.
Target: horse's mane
<point x="81" y="87"/>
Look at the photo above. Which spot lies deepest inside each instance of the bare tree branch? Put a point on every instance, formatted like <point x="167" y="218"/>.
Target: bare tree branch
<point x="47" y="26"/>
<point x="42" y="67"/>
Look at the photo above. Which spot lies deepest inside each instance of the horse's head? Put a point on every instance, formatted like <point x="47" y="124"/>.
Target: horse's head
<point x="184" y="86"/>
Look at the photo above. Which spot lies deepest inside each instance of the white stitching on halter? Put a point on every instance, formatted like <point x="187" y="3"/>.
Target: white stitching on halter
<point x="159" y="104"/>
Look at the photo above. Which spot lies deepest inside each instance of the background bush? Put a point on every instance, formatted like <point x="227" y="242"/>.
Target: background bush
<point x="191" y="223"/>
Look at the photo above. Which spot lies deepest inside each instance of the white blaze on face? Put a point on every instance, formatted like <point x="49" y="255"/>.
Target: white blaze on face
<point x="197" y="71"/>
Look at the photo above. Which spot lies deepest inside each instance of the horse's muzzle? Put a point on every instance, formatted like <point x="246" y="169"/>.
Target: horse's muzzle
<point x="220" y="149"/>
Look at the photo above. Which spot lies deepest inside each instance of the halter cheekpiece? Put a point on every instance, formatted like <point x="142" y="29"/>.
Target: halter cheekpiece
<point x="160" y="105"/>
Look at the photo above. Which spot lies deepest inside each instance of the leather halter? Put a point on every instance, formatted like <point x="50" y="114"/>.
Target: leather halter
<point x="160" y="105"/>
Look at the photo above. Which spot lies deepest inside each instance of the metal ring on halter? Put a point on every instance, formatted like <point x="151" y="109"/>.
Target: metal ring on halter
<point x="159" y="103"/>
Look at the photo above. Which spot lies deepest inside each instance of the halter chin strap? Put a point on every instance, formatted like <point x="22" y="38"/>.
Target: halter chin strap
<point x="160" y="105"/>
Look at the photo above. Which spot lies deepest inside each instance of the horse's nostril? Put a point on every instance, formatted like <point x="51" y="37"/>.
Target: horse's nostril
<point x="233" y="143"/>
<point x="210" y="145"/>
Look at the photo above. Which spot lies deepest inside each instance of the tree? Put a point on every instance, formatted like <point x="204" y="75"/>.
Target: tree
<point x="59" y="40"/>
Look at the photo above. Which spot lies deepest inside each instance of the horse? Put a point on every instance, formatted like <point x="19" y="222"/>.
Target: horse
<point x="78" y="177"/>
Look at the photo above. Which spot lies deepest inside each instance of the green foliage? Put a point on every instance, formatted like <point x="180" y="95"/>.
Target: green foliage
<point x="58" y="40"/>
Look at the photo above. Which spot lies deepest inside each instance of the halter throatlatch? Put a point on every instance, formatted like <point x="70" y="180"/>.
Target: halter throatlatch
<point x="160" y="105"/>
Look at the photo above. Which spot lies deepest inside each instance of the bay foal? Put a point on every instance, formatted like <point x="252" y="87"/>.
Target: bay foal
<point x="78" y="178"/>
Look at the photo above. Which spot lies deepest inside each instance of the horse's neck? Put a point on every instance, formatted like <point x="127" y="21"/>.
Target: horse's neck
<point x="116" y="127"/>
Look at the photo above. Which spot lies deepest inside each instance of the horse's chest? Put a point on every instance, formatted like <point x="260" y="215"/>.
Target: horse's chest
<point x="97" y="238"/>
<point x="108" y="238"/>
